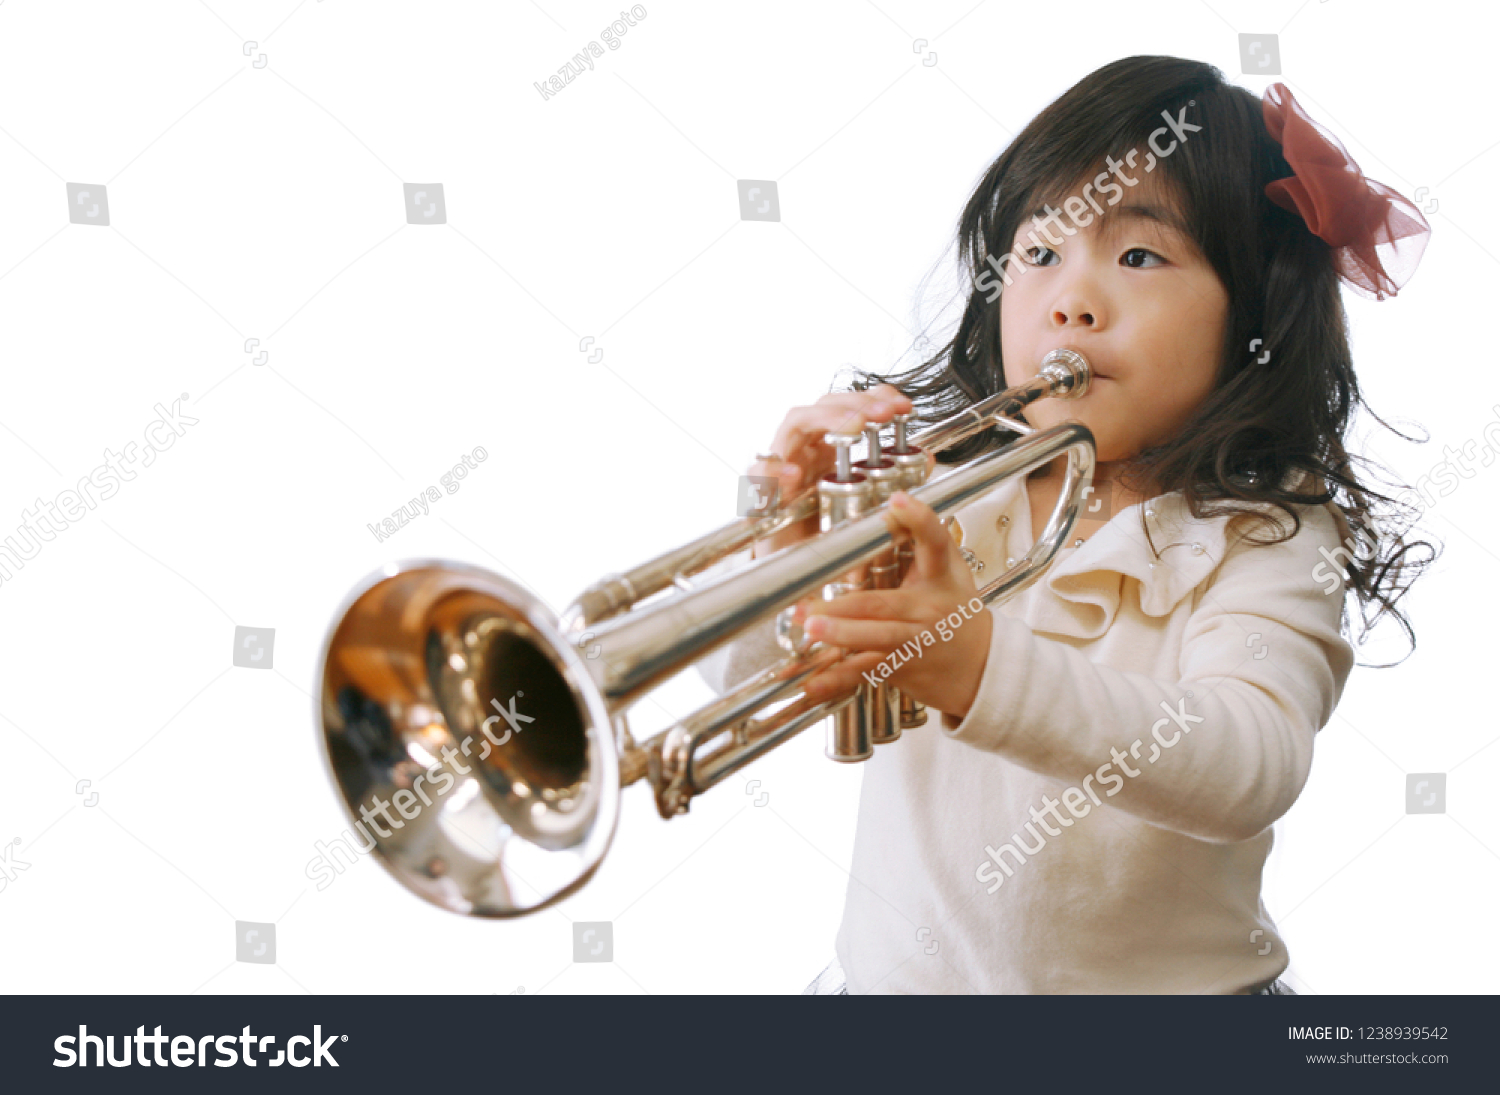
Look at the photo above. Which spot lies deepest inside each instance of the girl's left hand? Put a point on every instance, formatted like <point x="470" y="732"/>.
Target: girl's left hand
<point x="940" y="664"/>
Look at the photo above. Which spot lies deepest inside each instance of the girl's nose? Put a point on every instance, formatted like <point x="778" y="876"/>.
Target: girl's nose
<point x="1077" y="303"/>
<point x="1073" y="318"/>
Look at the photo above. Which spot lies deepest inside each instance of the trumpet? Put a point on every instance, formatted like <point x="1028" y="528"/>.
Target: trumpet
<point x="454" y="698"/>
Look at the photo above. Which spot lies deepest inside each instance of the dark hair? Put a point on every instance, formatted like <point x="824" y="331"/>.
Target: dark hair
<point x="1264" y="422"/>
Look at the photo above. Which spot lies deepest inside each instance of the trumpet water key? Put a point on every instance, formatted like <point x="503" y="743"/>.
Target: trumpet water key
<point x="498" y="731"/>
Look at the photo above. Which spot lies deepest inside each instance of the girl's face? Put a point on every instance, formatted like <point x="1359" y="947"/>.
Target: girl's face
<point x="1132" y="293"/>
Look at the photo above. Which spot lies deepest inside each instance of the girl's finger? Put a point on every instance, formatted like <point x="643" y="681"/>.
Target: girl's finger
<point x="859" y="635"/>
<point x="806" y="427"/>
<point x="842" y="678"/>
<point x="932" y="543"/>
<point x="884" y="604"/>
<point x="843" y="412"/>
<point x="797" y="467"/>
<point x="888" y="396"/>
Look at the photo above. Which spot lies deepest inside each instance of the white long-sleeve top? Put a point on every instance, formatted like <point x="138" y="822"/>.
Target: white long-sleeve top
<point x="1014" y="851"/>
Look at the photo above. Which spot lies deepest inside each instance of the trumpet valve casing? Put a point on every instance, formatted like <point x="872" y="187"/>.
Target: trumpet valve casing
<point x="912" y="464"/>
<point x="843" y="496"/>
<point x="883" y="702"/>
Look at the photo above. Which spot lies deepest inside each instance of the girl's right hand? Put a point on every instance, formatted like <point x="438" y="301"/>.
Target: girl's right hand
<point x="807" y="457"/>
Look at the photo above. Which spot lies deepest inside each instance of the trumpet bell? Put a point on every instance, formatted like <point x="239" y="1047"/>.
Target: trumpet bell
<point x="467" y="739"/>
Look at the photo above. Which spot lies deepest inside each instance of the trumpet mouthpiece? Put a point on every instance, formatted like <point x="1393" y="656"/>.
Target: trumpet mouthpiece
<point x="1068" y="372"/>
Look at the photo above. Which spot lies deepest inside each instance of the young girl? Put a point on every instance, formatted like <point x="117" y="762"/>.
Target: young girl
<point x="1089" y="806"/>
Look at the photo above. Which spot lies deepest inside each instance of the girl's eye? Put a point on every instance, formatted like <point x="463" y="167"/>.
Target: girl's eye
<point x="1031" y="252"/>
<point x="1139" y="251"/>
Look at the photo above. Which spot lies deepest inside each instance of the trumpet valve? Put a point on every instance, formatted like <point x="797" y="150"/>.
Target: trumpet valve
<point x="846" y="493"/>
<point x="899" y="446"/>
<point x="842" y="442"/>
<point x="874" y="454"/>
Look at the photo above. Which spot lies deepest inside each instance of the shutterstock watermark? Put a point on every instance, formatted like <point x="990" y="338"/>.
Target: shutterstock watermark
<point x="1458" y="460"/>
<point x="1331" y="570"/>
<point x="450" y="480"/>
<point x="42" y="523"/>
<point x="610" y="35"/>
<point x="1079" y="801"/>
<point x="1077" y="206"/>
<point x="411" y="796"/>
<point x="946" y="627"/>
<point x="1448" y="473"/>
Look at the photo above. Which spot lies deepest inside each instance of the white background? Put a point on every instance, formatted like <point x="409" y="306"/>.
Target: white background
<point x="266" y="202"/>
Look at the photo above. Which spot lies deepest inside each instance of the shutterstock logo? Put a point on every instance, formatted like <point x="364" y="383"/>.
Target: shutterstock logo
<point x="10" y="866"/>
<point x="190" y="1052"/>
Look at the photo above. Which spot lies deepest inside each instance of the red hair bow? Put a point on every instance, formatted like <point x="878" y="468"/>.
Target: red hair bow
<point x="1378" y="236"/>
